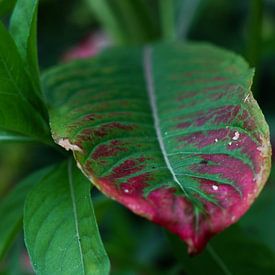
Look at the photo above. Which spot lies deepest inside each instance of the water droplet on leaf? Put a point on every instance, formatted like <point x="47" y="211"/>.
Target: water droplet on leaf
<point x="215" y="187"/>
<point x="236" y="135"/>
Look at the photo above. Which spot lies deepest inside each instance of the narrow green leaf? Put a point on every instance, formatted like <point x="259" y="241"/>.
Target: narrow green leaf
<point x="6" y="6"/>
<point x="102" y="9"/>
<point x="11" y="136"/>
<point x="61" y="232"/>
<point x="171" y="131"/>
<point x="185" y="13"/>
<point x="176" y="17"/>
<point x="136" y="21"/>
<point x="23" y="26"/>
<point x="127" y="22"/>
<point x="11" y="210"/>
<point x="21" y="109"/>
<point x="167" y="11"/>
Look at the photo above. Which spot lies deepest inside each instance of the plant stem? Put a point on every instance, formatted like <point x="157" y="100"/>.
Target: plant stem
<point x="186" y="13"/>
<point x="168" y="21"/>
<point x="103" y="11"/>
<point x="136" y="20"/>
<point x="127" y="22"/>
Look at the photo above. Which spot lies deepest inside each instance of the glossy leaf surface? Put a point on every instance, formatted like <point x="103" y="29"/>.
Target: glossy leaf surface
<point x="11" y="210"/>
<point x="23" y="30"/>
<point x="172" y="132"/>
<point x="21" y="108"/>
<point x="61" y="233"/>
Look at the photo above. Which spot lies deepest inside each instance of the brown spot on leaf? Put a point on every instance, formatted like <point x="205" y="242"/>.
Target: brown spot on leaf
<point x="65" y="143"/>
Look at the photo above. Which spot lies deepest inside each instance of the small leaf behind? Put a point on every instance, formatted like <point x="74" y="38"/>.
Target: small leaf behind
<point x="11" y="209"/>
<point x="61" y="232"/>
<point x="11" y="136"/>
<point x="127" y="22"/>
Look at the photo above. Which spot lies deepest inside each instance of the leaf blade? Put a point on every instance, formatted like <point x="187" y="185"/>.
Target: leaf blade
<point x="10" y="136"/>
<point x="175" y="135"/>
<point x="23" y="26"/>
<point x="11" y="210"/>
<point x="56" y="243"/>
<point x="177" y="17"/>
<point x="18" y="101"/>
<point x="126" y="22"/>
<point x="6" y="6"/>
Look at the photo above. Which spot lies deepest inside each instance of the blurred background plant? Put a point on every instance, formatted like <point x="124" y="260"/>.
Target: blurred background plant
<point x="70" y="29"/>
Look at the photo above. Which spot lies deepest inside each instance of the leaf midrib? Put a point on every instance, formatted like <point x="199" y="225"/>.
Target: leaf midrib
<point x="75" y="214"/>
<point x="150" y="87"/>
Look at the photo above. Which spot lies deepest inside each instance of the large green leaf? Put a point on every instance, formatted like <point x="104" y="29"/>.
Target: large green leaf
<point x="171" y="131"/>
<point x="23" y="30"/>
<point x="11" y="209"/>
<point x="21" y="109"/>
<point x="61" y="233"/>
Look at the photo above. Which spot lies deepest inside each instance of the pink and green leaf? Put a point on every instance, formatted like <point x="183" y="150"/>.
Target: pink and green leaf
<point x="170" y="131"/>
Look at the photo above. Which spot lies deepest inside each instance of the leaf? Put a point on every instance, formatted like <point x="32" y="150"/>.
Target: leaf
<point x="16" y="260"/>
<point x="127" y="22"/>
<point x="259" y="222"/>
<point x="104" y="13"/>
<point x="167" y="11"/>
<point x="21" y="110"/>
<point x="11" y="210"/>
<point x="172" y="132"/>
<point x="61" y="233"/>
<point x="23" y="30"/>
<point x="176" y="17"/>
<point x="230" y="253"/>
<point x="137" y="22"/>
<point x="121" y="229"/>
<point x="6" y="6"/>
<point x="185" y="13"/>
<point x="10" y="136"/>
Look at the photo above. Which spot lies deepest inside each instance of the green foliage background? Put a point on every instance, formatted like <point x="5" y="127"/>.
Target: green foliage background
<point x="134" y="245"/>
